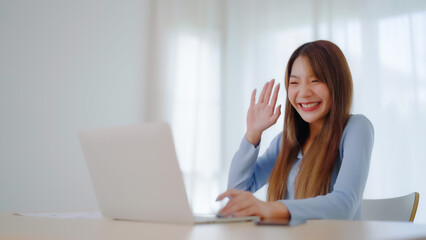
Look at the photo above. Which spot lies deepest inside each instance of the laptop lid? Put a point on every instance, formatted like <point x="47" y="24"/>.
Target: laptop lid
<point x="135" y="173"/>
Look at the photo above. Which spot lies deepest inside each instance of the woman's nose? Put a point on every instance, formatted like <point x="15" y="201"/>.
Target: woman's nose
<point x="305" y="90"/>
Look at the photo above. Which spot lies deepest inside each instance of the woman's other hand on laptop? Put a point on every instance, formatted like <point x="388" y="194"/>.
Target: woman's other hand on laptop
<point x="243" y="203"/>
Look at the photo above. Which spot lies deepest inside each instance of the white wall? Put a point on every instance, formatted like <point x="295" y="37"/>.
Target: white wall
<point x="64" y="66"/>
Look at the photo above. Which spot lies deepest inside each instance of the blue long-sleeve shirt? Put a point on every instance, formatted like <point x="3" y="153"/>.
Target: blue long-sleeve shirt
<point x="249" y="172"/>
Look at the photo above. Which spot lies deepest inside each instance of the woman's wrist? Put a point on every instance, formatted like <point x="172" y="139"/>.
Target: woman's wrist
<point x="278" y="210"/>
<point x="253" y="137"/>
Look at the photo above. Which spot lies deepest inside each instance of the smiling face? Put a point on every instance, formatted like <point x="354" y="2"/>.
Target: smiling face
<point x="308" y="95"/>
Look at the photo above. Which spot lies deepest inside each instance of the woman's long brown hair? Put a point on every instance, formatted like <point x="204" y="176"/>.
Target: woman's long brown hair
<point x="329" y="65"/>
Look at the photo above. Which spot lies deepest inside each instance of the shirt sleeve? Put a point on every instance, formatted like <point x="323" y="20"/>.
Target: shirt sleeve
<point x="345" y="200"/>
<point x="249" y="172"/>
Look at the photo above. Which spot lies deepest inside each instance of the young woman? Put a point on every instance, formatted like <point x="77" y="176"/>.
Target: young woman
<point x="318" y="166"/>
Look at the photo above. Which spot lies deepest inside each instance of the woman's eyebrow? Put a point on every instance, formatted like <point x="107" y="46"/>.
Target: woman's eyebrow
<point x="293" y="76"/>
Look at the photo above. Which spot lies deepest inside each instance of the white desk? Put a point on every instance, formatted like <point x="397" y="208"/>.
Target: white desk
<point x="23" y="227"/>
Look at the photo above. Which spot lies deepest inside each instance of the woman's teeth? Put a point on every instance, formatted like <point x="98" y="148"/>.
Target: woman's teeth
<point x="310" y="105"/>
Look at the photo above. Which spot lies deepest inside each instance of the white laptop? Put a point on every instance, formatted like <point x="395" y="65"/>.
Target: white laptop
<point x="136" y="175"/>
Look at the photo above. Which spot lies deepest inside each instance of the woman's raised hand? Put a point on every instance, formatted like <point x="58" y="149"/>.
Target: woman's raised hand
<point x="263" y="114"/>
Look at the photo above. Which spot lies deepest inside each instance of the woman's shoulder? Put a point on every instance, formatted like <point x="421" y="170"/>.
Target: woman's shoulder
<point x="358" y="121"/>
<point x="358" y="124"/>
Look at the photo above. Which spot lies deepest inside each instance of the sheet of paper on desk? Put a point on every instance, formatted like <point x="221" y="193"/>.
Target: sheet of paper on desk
<point x="64" y="215"/>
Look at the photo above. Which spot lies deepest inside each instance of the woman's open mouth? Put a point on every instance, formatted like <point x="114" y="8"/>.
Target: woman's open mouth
<point x="311" y="106"/>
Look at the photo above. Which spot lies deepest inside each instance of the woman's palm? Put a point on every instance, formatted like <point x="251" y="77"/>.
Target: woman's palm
<point x="263" y="114"/>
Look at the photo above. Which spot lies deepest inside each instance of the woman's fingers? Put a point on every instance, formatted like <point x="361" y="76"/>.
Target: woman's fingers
<point x="249" y="211"/>
<point x="262" y="115"/>
<point x="239" y="203"/>
<point x="262" y="94"/>
<point x="233" y="207"/>
<point x="253" y="98"/>
<point x="275" y="96"/>
<point x="268" y="92"/>
<point x="229" y="193"/>
<point x="265" y="95"/>
<point x="276" y="114"/>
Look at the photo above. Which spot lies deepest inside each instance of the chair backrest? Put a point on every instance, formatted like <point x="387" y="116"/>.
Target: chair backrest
<point x="402" y="208"/>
